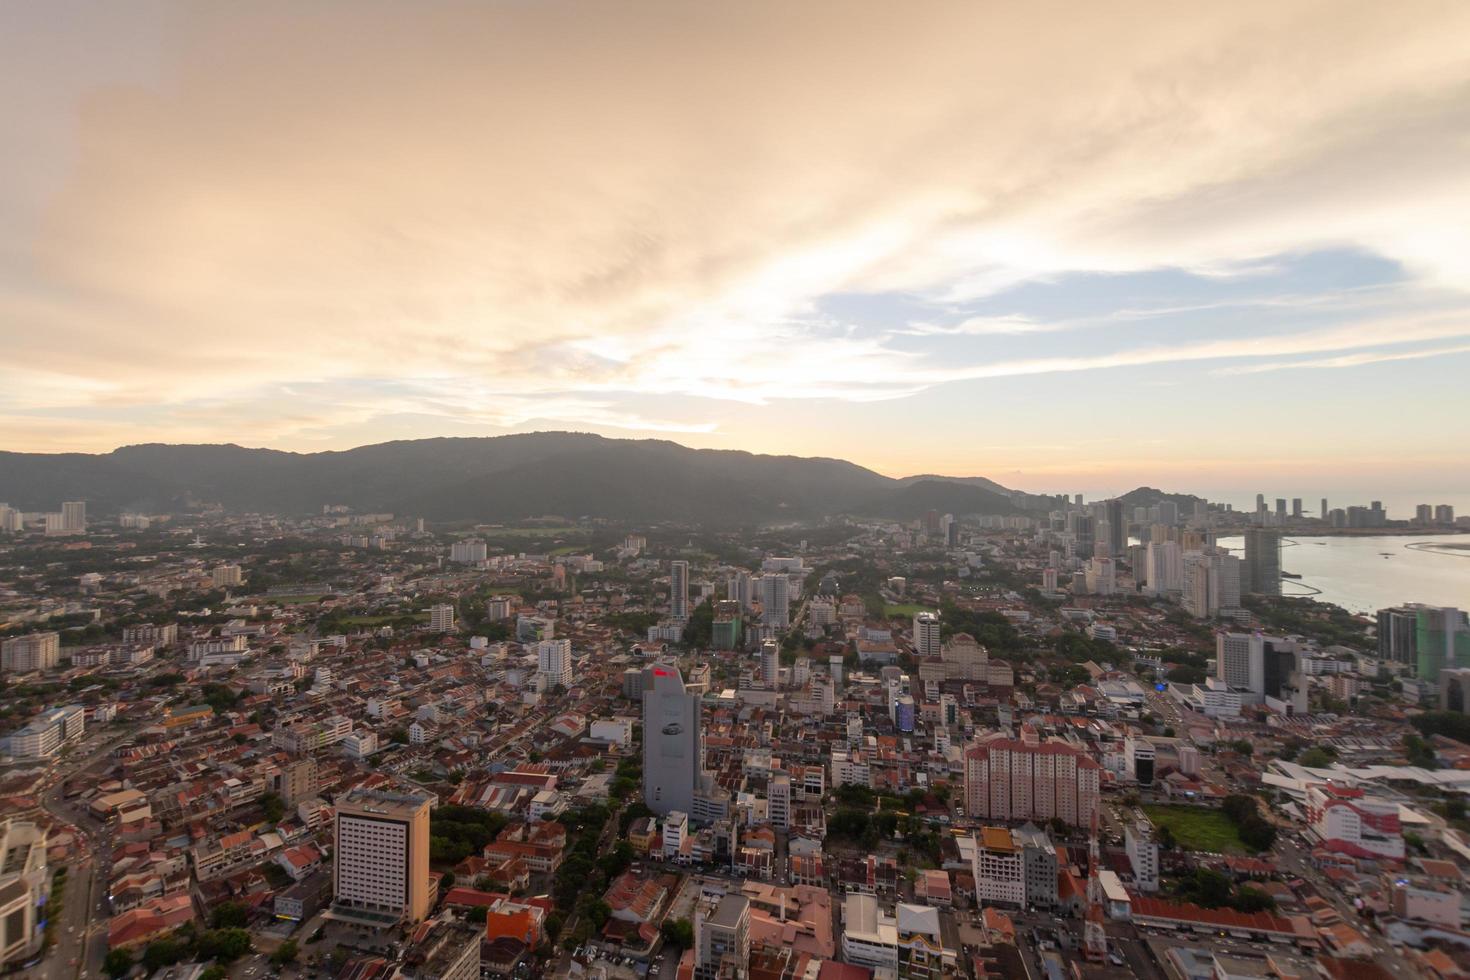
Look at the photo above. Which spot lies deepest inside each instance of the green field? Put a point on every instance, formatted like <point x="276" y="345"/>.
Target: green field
<point x="296" y="600"/>
<point x="1198" y="829"/>
<point x="361" y="621"/>
<point x="906" y="609"/>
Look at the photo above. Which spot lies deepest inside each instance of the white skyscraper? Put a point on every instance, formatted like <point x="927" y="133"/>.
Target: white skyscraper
<point x="1211" y="582"/>
<point x="679" y="590"/>
<point x="926" y="635"/>
<point x="775" y="601"/>
<point x="1164" y="567"/>
<point x="770" y="664"/>
<point x="441" y="618"/>
<point x="554" y="661"/>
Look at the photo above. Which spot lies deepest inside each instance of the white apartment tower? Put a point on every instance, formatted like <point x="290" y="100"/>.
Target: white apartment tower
<point x="775" y="600"/>
<point x="926" y="635"/>
<point x="554" y="661"/>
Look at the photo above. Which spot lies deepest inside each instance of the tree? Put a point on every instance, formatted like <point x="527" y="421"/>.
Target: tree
<point x="1318" y="757"/>
<point x="285" y="953"/>
<point x="1249" y="899"/>
<point x="118" y="962"/>
<point x="224" y="945"/>
<point x="477" y="915"/>
<point x="678" y="933"/>
<point x="1166" y="837"/>
<point x="229" y="915"/>
<point x="161" y="953"/>
<point x="214" y="972"/>
<point x="274" y="807"/>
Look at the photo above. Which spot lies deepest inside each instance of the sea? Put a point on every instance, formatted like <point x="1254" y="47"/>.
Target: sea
<point x="1365" y="574"/>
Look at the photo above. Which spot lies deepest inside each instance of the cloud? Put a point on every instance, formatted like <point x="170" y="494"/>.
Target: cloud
<point x="1347" y="360"/>
<point x="548" y="208"/>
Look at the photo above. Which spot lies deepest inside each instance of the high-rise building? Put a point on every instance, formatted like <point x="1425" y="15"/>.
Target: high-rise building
<point x="1211" y="582"/>
<point x="965" y="659"/>
<point x="1324" y="508"/>
<point x="468" y="552"/>
<point x="1143" y="854"/>
<point x="554" y="661"/>
<point x="926" y="635"/>
<point x="1444" y="514"/>
<point x="225" y="576"/>
<point x="30" y="652"/>
<point x="1441" y="639"/>
<point x="775" y="600"/>
<point x="74" y="515"/>
<point x="1164" y="567"/>
<point x="1000" y="873"/>
<point x="1007" y="779"/>
<point x="739" y="588"/>
<point x="1398" y="630"/>
<point x="1039" y="863"/>
<point x="722" y="941"/>
<point x="1454" y="689"/>
<point x="25" y="887"/>
<point x="679" y="590"/>
<point x="381" y="866"/>
<point x="1117" y="527"/>
<point x="1281" y="508"/>
<point x="673" y="741"/>
<point x="1261" y="667"/>
<point x="771" y="664"/>
<point x="1101" y="577"/>
<point x="441" y="618"/>
<point x="1296" y="507"/>
<point x="1424" y="514"/>
<point x="1262" y="561"/>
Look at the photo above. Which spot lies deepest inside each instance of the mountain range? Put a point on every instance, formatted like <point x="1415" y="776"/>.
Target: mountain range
<point x="501" y="478"/>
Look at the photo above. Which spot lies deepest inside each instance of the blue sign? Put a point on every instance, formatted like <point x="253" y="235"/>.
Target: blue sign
<point x="1161" y="686"/>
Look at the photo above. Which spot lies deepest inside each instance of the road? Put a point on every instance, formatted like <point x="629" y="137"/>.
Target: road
<point x="81" y="932"/>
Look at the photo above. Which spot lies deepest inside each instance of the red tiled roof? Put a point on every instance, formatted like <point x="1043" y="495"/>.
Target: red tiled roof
<point x="1220" y="918"/>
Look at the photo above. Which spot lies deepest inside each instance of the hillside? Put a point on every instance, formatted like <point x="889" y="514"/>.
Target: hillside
<point x="490" y="479"/>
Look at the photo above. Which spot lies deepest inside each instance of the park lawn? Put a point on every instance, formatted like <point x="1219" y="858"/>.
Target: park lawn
<point x="1197" y="828"/>
<point x="297" y="600"/>
<point x="421" y="617"/>
<point x="906" y="609"/>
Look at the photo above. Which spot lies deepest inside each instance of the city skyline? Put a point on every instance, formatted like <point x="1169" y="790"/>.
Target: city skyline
<point x="1207" y="250"/>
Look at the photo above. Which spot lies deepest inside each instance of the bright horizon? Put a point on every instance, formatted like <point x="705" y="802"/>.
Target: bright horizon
<point x="1071" y="249"/>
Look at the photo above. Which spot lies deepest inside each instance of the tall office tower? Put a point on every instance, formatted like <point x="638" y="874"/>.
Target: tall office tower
<point x="1398" y="628"/>
<point x="775" y="600"/>
<point x="771" y="664"/>
<point x="1164" y="567"/>
<point x="1441" y="639"/>
<point x="926" y="635"/>
<point x="1079" y="525"/>
<point x="1262" y="666"/>
<point x="1211" y="582"/>
<point x="1168" y="512"/>
<point x="1424" y="514"/>
<point x="554" y="661"/>
<point x="31" y="652"/>
<point x="1077" y="500"/>
<point x="1049" y="579"/>
<point x="1008" y="779"/>
<point x="381" y="866"/>
<point x="1117" y="528"/>
<point x="1281" y="508"/>
<point x="673" y="742"/>
<point x="441" y="618"/>
<point x="25" y="888"/>
<point x="722" y="941"/>
<point x="1444" y="514"/>
<point x="1296" y="507"/>
<point x="949" y="530"/>
<point x="1262" y="572"/>
<point x="1260" y="501"/>
<point x="74" y="515"/>
<point x="1324" y="508"/>
<point x="679" y="590"/>
<point x="1102" y="540"/>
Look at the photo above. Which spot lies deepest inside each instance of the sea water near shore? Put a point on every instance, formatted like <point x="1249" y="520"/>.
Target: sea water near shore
<point x="1365" y="574"/>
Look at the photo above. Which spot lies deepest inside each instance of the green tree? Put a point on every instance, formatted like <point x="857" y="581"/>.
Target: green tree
<point x="229" y="915"/>
<point x="1318" y="757"/>
<point x="285" y="953"/>
<point x="118" y="962"/>
<point x="274" y="807"/>
<point x="678" y="933"/>
<point x="161" y="953"/>
<point x="214" y="972"/>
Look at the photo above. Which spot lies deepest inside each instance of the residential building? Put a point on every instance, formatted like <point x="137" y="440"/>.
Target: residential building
<point x="673" y="744"/>
<point x="30" y="652"/>
<point x="1007" y="779"/>
<point x="226" y="576"/>
<point x="679" y="590"/>
<point x="869" y="938"/>
<point x="1262" y="569"/>
<point x="25" y="885"/>
<point x="1211" y="582"/>
<point x="1441" y="639"/>
<point x="470" y="552"/>
<point x="441" y="618"/>
<point x="775" y="593"/>
<point x="554" y="662"/>
<point x="1038" y="865"/>
<point x="1350" y="822"/>
<point x="1143" y="854"/>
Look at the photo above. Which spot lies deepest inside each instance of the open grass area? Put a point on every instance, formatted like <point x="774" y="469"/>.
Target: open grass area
<point x="361" y="621"/>
<point x="296" y="600"/>
<point x="906" y="609"/>
<point x="1197" y="828"/>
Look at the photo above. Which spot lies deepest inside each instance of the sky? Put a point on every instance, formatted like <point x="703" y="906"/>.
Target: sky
<point x="1066" y="246"/>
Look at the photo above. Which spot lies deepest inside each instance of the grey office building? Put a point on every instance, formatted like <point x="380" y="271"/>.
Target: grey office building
<point x="1262" y="561"/>
<point x="673" y="743"/>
